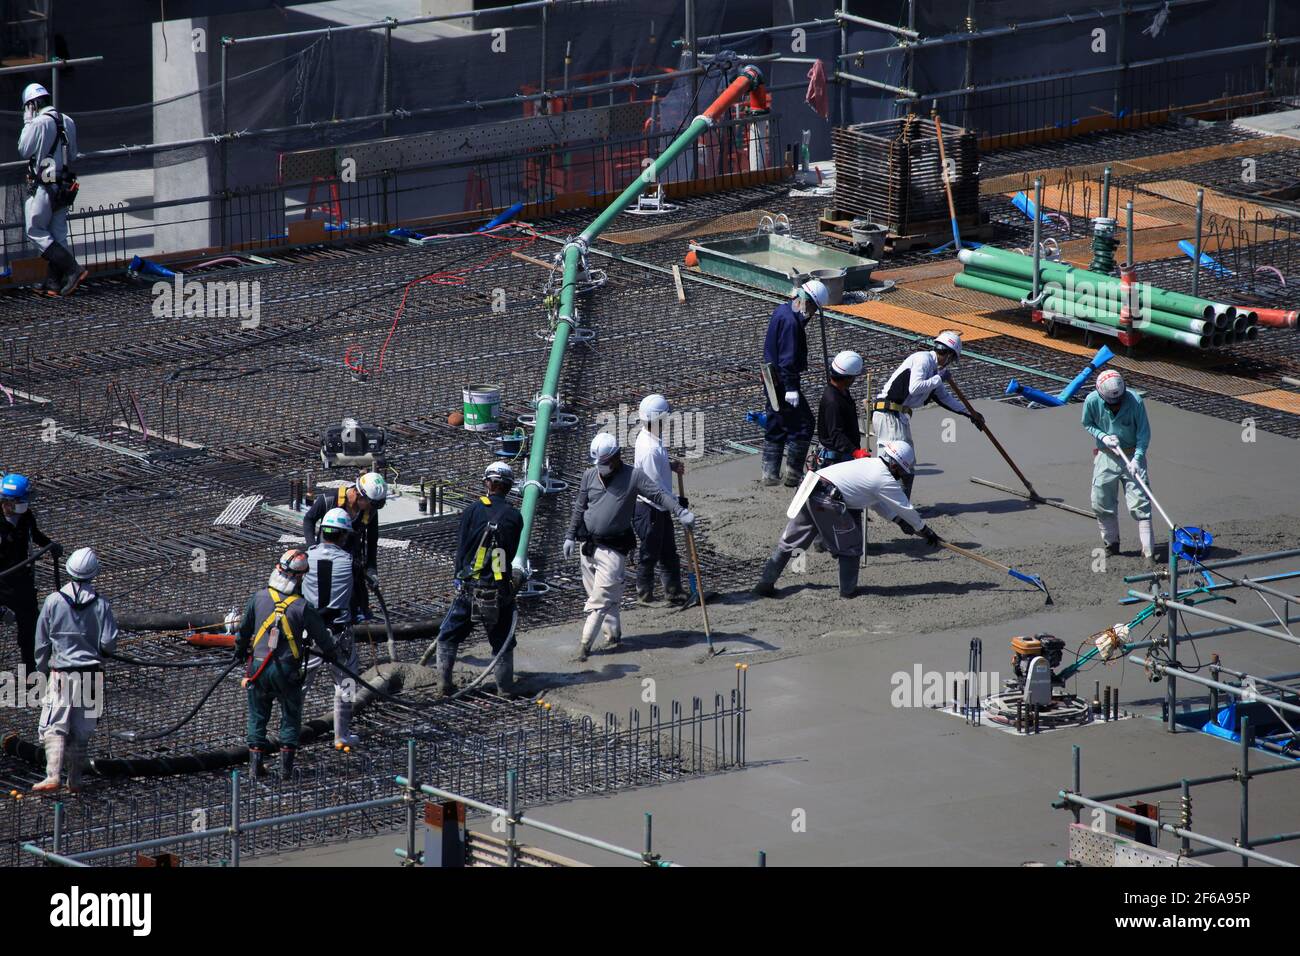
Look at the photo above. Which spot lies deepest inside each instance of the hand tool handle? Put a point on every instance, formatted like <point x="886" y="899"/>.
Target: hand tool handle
<point x="695" y="563"/>
<point x="956" y="390"/>
<point x="1128" y="464"/>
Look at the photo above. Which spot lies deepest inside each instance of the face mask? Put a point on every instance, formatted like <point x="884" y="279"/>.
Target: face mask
<point x="283" y="583"/>
<point x="20" y="508"/>
<point x="605" y="470"/>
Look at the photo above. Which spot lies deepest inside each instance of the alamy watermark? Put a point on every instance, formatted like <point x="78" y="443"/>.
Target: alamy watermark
<point x="930" y="689"/>
<point x="678" y="430"/>
<point x="207" y="299"/>
<point x="81" y="689"/>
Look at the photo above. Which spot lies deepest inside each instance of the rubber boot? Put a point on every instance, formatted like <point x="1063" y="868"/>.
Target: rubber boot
<point x="771" y="463"/>
<point x="1108" y="525"/>
<point x="343" y="736"/>
<point x="74" y="758"/>
<point x="72" y="274"/>
<point x="446" y="660"/>
<point x="848" y="576"/>
<point x="505" y="673"/>
<point x="645" y="595"/>
<point x="795" y="459"/>
<point x="53" y="281"/>
<point x="54" y="744"/>
<point x="766" y="586"/>
<point x="591" y="628"/>
<point x="673" y="592"/>
<point x="286" y="761"/>
<point x="256" y="766"/>
<point x="612" y="635"/>
<point x="1147" y="538"/>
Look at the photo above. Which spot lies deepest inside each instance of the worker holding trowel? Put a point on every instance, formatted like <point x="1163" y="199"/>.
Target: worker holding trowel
<point x="829" y="505"/>
<point x="918" y="380"/>
<point x="1117" y="421"/>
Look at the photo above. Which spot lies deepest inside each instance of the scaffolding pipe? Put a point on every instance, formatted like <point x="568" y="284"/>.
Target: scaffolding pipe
<point x="409" y="22"/>
<point x="757" y="31"/>
<point x="55" y="65"/>
<point x="1170" y="828"/>
<point x="1215" y="565"/>
<point x="877" y="25"/>
<point x="573" y="253"/>
<point x="1163" y="602"/>
<point x="1166" y="669"/>
<point x="909" y="94"/>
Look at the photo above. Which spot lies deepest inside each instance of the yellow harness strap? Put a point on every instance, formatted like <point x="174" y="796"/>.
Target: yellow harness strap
<point x="279" y="615"/>
<point x="343" y="503"/>
<point x="884" y="406"/>
<point x="480" y="556"/>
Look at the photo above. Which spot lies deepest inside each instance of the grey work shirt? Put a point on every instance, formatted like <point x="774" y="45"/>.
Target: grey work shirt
<point x="75" y="625"/>
<point x="605" y="505"/>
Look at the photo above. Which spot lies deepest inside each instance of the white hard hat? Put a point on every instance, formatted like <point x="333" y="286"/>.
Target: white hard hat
<point x="847" y="363"/>
<point x="654" y="407"/>
<point x="816" y="290"/>
<point x="33" y="91"/>
<point x="1110" y="385"/>
<point x="603" y="447"/>
<point x="82" y="565"/>
<point x="336" y="519"/>
<point x="949" y="340"/>
<point x="900" y="453"/>
<point x="293" y="561"/>
<point x="372" y="486"/>
<point x="499" y="471"/>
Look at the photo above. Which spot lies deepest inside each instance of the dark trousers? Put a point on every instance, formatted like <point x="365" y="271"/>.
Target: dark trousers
<point x="790" y="424"/>
<point x="459" y="622"/>
<point x="280" y="682"/>
<point x="21" y="599"/>
<point x="658" y="547"/>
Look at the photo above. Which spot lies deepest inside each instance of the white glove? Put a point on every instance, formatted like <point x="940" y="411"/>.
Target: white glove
<point x="792" y="399"/>
<point x="570" y="546"/>
<point x="687" y="518"/>
<point x="1111" y="441"/>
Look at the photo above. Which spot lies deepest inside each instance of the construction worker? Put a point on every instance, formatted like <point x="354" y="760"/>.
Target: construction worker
<point x="837" y="415"/>
<point x="490" y="530"/>
<point x="790" y="424"/>
<point x="18" y="532"/>
<point x="329" y="587"/>
<point x="1117" y="419"/>
<point x="277" y="632"/>
<point x="918" y="380"/>
<point x="602" y="521"/>
<point x="362" y="500"/>
<point x="49" y="144"/>
<point x="74" y="631"/>
<point x="654" y="528"/>
<point x="833" y="512"/>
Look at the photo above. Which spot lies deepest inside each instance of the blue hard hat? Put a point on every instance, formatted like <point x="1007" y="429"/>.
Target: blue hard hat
<point x="16" y="487"/>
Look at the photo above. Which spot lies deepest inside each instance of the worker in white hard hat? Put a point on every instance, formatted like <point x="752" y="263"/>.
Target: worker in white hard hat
<point x="490" y="529"/>
<point x="920" y="379"/>
<point x="1117" y="420"/>
<point x="657" y="549"/>
<point x="73" y="633"/>
<point x="49" y="144"/>
<point x="833" y="510"/>
<point x="790" y="423"/>
<point x="362" y="500"/>
<point x="329" y="587"/>
<point x="602" y="521"/>
<point x="837" y="414"/>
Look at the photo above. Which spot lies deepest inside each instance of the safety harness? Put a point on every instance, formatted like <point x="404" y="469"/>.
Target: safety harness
<point x="343" y="503"/>
<point x="894" y="408"/>
<point x="63" y="191"/>
<point x="486" y="596"/>
<point x="270" y="629"/>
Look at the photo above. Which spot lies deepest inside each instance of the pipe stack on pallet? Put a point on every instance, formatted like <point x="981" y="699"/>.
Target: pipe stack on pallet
<point x="1080" y="297"/>
<point x="889" y="171"/>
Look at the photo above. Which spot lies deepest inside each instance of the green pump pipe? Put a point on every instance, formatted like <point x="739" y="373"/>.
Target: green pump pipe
<point x="749" y="80"/>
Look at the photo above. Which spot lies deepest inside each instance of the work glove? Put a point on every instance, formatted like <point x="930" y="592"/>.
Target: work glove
<point x="930" y="537"/>
<point x="977" y="420"/>
<point x="56" y="550"/>
<point x="683" y="501"/>
<point x="906" y="528"/>
<point x="1111" y="441"/>
<point x="677" y="466"/>
<point x="518" y="578"/>
<point x="570" y="547"/>
<point x="687" y="519"/>
<point x="861" y="453"/>
<point x="360" y="617"/>
<point x="792" y="399"/>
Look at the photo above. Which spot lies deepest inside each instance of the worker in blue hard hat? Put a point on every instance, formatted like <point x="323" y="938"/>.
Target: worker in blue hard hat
<point x="18" y="532"/>
<point x="49" y="144"/>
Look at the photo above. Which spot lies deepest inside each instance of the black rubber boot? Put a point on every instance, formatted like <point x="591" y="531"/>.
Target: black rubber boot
<point x="766" y="586"/>
<point x="286" y="761"/>
<point x="848" y="576"/>
<point x="795" y="458"/>
<point x="772" y="463"/>
<point x="72" y="274"/>
<point x="256" y="766"/>
<point x="645" y="595"/>
<point x="54" y="281"/>
<point x="445" y="661"/>
<point x="504" y="674"/>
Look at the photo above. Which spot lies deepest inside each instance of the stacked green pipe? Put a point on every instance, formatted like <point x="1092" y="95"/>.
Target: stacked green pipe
<point x="1095" y="297"/>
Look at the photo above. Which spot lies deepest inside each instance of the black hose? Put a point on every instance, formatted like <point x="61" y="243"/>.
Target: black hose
<point x="32" y="559"/>
<point x="157" y="734"/>
<point x="140" y="662"/>
<point x="373" y="583"/>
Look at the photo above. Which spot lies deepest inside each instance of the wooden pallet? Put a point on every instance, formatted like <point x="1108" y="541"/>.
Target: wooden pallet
<point x="834" y="225"/>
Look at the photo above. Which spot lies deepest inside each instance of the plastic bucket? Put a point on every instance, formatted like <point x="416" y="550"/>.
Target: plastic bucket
<point x="833" y="279"/>
<point x="482" y="403"/>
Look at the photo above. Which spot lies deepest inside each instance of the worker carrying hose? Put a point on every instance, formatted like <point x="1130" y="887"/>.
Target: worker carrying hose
<point x="362" y="501"/>
<point x="602" y="521"/>
<point x="654" y="527"/>
<point x="18" y="532"/>
<point x="1117" y="420"/>
<point x="837" y="415"/>
<point x="277" y="632"/>
<point x="490" y="529"/>
<point x="329" y="587"/>
<point x="833" y="510"/>
<point x="75" y="629"/>
<point x="790" y="424"/>
<point x="914" y="383"/>
<point x="49" y="144"/>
